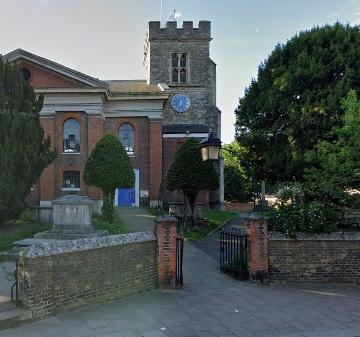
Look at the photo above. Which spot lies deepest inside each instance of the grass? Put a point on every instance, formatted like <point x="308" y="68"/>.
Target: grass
<point x="215" y="219"/>
<point x="117" y="227"/>
<point x="18" y="230"/>
<point x="25" y="228"/>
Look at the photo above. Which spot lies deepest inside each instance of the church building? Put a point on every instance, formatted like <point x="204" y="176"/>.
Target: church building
<point x="151" y="117"/>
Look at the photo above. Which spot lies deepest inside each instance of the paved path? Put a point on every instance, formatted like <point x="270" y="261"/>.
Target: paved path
<point x="212" y="304"/>
<point x="211" y="244"/>
<point x="6" y="280"/>
<point x="137" y="219"/>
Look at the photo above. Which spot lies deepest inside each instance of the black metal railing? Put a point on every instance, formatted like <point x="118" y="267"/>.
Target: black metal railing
<point x="15" y="286"/>
<point x="233" y="254"/>
<point x="179" y="260"/>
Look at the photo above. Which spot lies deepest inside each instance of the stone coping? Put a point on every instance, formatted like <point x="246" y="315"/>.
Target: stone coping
<point x="336" y="236"/>
<point x="73" y="200"/>
<point x="67" y="246"/>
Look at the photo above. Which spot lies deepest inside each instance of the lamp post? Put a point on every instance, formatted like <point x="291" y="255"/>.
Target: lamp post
<point x="210" y="147"/>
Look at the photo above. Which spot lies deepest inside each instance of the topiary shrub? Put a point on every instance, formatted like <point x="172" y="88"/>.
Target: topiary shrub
<point x="108" y="168"/>
<point x="189" y="174"/>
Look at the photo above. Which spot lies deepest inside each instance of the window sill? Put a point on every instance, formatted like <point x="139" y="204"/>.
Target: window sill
<point x="71" y="153"/>
<point x="70" y="189"/>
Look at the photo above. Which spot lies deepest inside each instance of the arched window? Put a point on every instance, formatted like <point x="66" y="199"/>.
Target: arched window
<point x="71" y="179"/>
<point x="179" y="68"/>
<point x="175" y="75"/>
<point x="126" y="135"/>
<point x="72" y="136"/>
<point x="183" y="75"/>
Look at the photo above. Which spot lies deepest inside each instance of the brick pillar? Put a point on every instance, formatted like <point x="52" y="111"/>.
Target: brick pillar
<point x="165" y="227"/>
<point x="95" y="132"/>
<point x="155" y="161"/>
<point x="258" y="255"/>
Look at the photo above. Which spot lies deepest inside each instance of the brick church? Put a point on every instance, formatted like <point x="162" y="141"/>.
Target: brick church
<point x="151" y="117"/>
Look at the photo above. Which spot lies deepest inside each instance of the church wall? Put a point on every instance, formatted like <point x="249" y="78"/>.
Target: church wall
<point x="140" y="160"/>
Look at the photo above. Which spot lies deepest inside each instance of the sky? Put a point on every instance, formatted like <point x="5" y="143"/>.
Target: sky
<point x="105" y="38"/>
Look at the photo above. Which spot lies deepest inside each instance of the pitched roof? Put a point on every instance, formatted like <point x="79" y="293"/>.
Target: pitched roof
<point x="56" y="67"/>
<point x="133" y="87"/>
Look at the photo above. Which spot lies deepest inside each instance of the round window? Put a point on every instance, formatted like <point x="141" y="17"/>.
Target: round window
<point x="26" y="73"/>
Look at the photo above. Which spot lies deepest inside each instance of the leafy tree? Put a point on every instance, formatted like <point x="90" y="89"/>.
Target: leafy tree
<point x="108" y="168"/>
<point x="24" y="150"/>
<point x="188" y="173"/>
<point x="237" y="183"/>
<point x="337" y="168"/>
<point x="295" y="101"/>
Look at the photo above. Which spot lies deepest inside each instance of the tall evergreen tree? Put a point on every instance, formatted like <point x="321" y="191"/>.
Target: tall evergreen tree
<point x="108" y="168"/>
<point x="24" y="150"/>
<point x="189" y="174"/>
<point x="295" y="101"/>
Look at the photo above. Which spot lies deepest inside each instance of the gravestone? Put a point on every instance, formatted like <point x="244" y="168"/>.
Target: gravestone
<point x="72" y="219"/>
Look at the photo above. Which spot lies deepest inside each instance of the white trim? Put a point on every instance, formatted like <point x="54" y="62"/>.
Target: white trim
<point x="137" y="188"/>
<point x="185" y="135"/>
<point x="70" y="189"/>
<point x="69" y="90"/>
<point x="137" y="191"/>
<point x="116" y="201"/>
<point x="127" y="97"/>
<point x="155" y="114"/>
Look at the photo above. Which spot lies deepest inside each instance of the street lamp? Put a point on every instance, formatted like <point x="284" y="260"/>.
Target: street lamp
<point x="210" y="147"/>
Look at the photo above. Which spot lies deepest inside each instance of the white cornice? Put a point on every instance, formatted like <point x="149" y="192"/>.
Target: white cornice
<point x="69" y="90"/>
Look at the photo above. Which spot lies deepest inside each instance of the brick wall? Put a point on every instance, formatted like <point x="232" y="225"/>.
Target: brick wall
<point x="45" y="78"/>
<point x="333" y="257"/>
<point x="141" y="158"/>
<point x="55" y="278"/>
<point x="155" y="169"/>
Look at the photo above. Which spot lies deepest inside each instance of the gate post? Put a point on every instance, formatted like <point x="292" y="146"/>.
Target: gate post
<point x="258" y="255"/>
<point x="165" y="227"/>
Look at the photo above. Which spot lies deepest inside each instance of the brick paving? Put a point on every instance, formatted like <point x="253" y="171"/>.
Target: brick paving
<point x="212" y="304"/>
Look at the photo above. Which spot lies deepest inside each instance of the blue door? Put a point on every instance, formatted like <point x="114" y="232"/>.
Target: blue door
<point x="126" y="196"/>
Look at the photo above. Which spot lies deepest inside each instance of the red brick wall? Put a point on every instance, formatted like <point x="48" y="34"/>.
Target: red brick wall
<point x="95" y="132"/>
<point x="140" y="160"/>
<point x="70" y="161"/>
<point x="46" y="182"/>
<point x="45" y="78"/>
<point x="155" y="159"/>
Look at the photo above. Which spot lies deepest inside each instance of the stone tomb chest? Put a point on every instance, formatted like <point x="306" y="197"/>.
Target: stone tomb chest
<point x="72" y="219"/>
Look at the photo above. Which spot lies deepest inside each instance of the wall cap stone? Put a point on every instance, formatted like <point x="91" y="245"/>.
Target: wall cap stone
<point x="165" y="218"/>
<point x="66" y="246"/>
<point x="256" y="216"/>
<point x="336" y="236"/>
<point x="73" y="200"/>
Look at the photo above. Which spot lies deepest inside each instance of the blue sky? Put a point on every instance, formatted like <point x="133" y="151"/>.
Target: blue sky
<point x="104" y="38"/>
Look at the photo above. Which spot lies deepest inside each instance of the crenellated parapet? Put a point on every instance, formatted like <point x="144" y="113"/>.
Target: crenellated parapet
<point x="172" y="32"/>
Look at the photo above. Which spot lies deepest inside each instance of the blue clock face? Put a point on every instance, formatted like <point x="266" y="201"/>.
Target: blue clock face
<point x="180" y="103"/>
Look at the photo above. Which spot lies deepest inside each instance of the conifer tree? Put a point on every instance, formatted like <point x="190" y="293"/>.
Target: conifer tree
<point x="24" y="150"/>
<point x="189" y="174"/>
<point x="109" y="167"/>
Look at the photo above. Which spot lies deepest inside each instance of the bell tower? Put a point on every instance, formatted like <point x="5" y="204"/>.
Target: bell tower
<point x="179" y="57"/>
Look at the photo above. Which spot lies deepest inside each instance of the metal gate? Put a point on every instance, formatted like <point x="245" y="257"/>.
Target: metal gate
<point x="179" y="260"/>
<point x="233" y="254"/>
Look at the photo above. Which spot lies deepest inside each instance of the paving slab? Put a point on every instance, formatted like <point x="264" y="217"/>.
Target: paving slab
<point x="213" y="304"/>
<point x="137" y="219"/>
